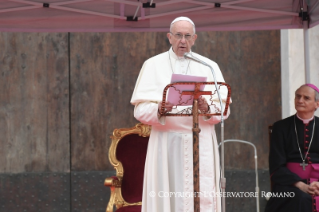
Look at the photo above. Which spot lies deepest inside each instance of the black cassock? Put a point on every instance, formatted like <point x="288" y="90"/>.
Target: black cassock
<point x="284" y="149"/>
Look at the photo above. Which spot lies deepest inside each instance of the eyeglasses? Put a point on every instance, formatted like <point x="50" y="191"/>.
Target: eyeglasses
<point x="179" y="36"/>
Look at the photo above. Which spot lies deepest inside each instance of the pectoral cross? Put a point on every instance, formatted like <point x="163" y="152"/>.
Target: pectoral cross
<point x="303" y="164"/>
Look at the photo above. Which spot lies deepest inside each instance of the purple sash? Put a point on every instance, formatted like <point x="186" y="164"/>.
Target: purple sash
<point x="311" y="172"/>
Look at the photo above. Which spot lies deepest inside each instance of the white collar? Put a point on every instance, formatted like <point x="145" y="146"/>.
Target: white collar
<point x="173" y="55"/>
<point x="305" y="121"/>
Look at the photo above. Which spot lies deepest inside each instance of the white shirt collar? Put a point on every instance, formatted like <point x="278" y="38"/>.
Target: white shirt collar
<point x="173" y="55"/>
<point x="305" y="121"/>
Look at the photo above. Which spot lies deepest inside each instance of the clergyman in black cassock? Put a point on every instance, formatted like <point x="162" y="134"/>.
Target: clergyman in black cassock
<point x="294" y="154"/>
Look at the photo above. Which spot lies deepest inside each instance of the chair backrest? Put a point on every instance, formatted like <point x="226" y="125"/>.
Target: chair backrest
<point x="127" y="154"/>
<point x="269" y="142"/>
<point x="131" y="152"/>
<point x="269" y="133"/>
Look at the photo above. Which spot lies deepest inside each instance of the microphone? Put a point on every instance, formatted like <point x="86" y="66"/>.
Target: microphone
<point x="223" y="179"/>
<point x="187" y="55"/>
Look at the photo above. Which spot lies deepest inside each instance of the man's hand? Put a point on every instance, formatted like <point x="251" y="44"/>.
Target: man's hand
<point x="168" y="106"/>
<point x="304" y="187"/>
<point x="312" y="189"/>
<point x="203" y="105"/>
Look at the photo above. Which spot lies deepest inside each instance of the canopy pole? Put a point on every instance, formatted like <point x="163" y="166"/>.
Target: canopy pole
<point x="306" y="51"/>
<point x="305" y="22"/>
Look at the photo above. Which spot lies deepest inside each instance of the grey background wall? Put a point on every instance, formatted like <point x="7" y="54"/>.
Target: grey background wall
<point x="62" y="94"/>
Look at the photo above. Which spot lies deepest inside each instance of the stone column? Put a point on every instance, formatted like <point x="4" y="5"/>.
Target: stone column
<point x="292" y="65"/>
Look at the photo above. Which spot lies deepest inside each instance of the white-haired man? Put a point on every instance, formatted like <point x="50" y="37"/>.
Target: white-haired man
<point x="168" y="176"/>
<point x="294" y="156"/>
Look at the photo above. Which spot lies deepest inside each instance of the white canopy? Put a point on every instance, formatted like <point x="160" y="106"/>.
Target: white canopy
<point x="154" y="15"/>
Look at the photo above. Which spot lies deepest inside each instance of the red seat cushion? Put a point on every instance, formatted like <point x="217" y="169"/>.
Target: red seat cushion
<point x="135" y="208"/>
<point x="131" y="152"/>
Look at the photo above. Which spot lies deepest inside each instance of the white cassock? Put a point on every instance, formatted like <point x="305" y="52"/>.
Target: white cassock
<point x="168" y="175"/>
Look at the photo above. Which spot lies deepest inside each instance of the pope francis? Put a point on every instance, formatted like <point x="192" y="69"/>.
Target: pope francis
<point x="168" y="175"/>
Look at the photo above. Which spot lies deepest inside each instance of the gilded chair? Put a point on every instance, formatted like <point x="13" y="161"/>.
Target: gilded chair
<point x="127" y="154"/>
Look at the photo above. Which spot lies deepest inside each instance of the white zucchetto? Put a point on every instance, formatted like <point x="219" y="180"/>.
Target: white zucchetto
<point x="182" y="18"/>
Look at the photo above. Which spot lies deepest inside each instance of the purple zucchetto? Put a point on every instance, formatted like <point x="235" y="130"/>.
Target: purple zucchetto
<point x="313" y="87"/>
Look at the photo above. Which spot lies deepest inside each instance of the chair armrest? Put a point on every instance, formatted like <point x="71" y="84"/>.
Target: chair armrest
<point x="113" y="181"/>
<point x="115" y="197"/>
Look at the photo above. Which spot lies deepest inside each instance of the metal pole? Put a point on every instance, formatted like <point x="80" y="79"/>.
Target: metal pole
<point x="306" y="51"/>
<point x="223" y="179"/>
<point x="256" y="167"/>
<point x="305" y="23"/>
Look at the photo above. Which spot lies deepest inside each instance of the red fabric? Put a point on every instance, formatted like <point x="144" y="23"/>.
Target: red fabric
<point x="131" y="152"/>
<point x="130" y="209"/>
<point x="316" y="203"/>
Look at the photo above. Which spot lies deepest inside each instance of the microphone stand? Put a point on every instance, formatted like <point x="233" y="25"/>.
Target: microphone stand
<point x="256" y="167"/>
<point x="223" y="179"/>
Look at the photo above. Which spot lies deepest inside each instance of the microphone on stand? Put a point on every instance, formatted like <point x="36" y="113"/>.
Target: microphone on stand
<point x="188" y="55"/>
